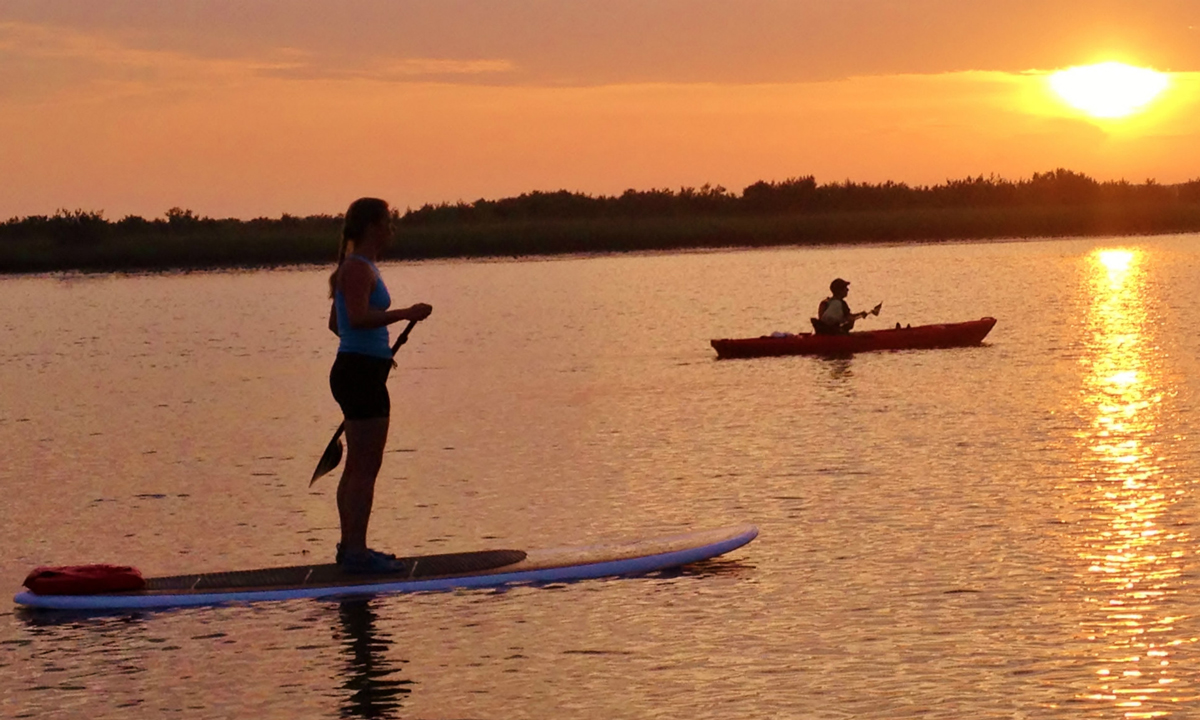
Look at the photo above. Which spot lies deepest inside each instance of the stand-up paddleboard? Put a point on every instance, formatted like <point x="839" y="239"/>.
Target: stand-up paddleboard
<point x="428" y="572"/>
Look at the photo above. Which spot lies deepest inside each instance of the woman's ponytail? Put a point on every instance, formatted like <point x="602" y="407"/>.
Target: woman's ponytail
<point x="362" y="214"/>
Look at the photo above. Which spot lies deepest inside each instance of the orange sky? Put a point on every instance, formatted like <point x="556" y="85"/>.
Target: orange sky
<point x="252" y="108"/>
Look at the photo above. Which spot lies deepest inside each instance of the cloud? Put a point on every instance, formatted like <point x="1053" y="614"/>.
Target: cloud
<point x="590" y="43"/>
<point x="388" y="69"/>
<point x="39" y="62"/>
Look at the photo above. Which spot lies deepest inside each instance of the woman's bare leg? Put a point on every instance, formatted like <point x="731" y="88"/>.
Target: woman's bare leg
<point x="365" y="440"/>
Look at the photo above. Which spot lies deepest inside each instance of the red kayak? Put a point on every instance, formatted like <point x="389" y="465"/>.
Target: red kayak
<point x="910" y="338"/>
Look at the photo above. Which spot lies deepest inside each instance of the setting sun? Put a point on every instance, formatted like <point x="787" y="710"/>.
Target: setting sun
<point x="1108" y="90"/>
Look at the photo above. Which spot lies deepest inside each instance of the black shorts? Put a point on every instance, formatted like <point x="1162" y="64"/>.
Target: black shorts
<point x="359" y="384"/>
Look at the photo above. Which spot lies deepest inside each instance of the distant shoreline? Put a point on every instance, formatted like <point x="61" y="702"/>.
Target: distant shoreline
<point x="793" y="213"/>
<point x="213" y="250"/>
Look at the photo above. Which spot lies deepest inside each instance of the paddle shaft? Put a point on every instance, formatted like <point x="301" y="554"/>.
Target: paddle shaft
<point x="403" y="338"/>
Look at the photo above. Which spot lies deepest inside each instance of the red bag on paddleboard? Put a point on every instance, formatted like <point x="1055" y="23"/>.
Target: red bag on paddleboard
<point x="84" y="579"/>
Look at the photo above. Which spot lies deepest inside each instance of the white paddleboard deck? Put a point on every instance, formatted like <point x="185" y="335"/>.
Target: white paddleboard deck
<point x="549" y="565"/>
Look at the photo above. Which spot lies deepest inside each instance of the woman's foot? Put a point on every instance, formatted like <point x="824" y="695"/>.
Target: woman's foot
<point x="371" y="562"/>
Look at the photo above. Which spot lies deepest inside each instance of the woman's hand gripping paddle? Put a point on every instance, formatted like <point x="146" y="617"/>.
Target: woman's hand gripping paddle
<point x="333" y="451"/>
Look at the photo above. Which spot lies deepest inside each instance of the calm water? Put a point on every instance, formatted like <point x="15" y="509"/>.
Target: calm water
<point x="997" y="532"/>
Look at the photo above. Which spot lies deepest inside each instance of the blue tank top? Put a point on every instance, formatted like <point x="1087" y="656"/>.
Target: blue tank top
<point x="364" y="341"/>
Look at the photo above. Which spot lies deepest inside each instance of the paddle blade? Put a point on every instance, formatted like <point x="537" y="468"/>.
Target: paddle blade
<point x="329" y="459"/>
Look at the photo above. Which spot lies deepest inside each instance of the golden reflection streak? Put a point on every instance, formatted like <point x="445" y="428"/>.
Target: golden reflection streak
<point x="1133" y="563"/>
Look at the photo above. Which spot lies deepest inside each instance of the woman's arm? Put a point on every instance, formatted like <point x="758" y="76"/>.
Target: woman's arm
<point x="357" y="280"/>
<point x="333" y="328"/>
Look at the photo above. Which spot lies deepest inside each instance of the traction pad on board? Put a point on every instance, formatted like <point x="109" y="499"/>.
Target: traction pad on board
<point x="331" y="575"/>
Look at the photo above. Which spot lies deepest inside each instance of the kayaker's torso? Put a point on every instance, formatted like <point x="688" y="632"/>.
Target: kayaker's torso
<point x="364" y="341"/>
<point x="834" y="311"/>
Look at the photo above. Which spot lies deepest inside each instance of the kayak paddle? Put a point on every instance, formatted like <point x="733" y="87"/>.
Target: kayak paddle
<point x="873" y="311"/>
<point x="333" y="451"/>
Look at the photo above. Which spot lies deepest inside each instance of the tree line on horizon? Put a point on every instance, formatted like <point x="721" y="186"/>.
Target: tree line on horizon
<point x="803" y="195"/>
<point x="794" y="196"/>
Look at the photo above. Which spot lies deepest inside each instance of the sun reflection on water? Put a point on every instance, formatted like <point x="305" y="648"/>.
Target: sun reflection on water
<point x="1134" y="559"/>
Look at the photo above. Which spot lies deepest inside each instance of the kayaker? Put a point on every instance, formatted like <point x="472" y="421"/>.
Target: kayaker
<point x="359" y="316"/>
<point x="833" y="314"/>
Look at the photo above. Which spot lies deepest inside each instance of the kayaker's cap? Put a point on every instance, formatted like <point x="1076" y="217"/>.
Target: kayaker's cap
<point x="839" y="283"/>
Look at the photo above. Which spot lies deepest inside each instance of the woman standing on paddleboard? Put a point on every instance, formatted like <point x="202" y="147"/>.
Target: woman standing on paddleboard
<point x="359" y="316"/>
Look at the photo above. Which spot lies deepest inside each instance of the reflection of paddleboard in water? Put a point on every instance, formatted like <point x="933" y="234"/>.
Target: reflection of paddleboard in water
<point x="429" y="572"/>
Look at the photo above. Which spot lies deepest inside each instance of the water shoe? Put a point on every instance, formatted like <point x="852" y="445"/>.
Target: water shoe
<point x="372" y="562"/>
